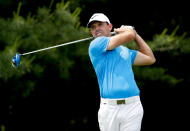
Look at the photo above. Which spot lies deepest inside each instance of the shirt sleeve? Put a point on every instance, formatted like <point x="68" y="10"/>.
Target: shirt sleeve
<point x="133" y="54"/>
<point x="99" y="45"/>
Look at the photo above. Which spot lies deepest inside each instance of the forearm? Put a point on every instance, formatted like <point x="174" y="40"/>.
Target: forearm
<point x="124" y="35"/>
<point x="143" y="46"/>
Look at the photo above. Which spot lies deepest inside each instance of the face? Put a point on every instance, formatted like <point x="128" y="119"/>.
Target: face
<point x="98" y="28"/>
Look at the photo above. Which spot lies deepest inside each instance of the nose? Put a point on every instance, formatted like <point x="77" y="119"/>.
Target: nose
<point x="96" y="28"/>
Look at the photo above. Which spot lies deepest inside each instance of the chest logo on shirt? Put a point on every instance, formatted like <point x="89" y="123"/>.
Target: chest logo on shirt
<point x="124" y="53"/>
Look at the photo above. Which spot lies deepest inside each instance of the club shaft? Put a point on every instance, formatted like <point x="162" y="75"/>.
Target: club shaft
<point x="51" y="47"/>
<point x="68" y="43"/>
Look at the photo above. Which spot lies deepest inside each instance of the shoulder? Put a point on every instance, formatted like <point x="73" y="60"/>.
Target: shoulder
<point x="100" y="39"/>
<point x="99" y="45"/>
<point x="99" y="42"/>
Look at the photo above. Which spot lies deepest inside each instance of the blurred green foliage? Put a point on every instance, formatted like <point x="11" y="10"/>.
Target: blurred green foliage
<point x="55" y="26"/>
<point x="47" y="28"/>
<point x="50" y="27"/>
<point x="169" y="49"/>
<point x="20" y="34"/>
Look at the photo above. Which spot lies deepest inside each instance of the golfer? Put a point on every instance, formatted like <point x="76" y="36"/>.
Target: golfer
<point x="120" y="107"/>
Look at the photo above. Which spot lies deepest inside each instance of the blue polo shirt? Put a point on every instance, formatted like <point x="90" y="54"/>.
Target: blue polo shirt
<point x="113" y="69"/>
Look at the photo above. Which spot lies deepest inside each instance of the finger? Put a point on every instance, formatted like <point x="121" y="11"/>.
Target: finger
<point x="117" y="30"/>
<point x="130" y="27"/>
<point x="122" y="26"/>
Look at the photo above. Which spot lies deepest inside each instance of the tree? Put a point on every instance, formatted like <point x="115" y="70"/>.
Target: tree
<point x="36" y="82"/>
<point x="46" y="28"/>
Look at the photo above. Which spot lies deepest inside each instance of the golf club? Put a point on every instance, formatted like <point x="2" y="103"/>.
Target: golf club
<point x="16" y="58"/>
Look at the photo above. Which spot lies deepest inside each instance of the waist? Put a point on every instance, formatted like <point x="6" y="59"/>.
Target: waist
<point x="119" y="91"/>
<point x="120" y="101"/>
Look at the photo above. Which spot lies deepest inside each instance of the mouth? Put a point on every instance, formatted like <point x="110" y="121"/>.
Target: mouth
<point x="98" y="33"/>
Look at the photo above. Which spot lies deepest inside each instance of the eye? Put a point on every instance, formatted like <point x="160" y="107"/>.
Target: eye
<point x="100" y="24"/>
<point x="92" y="27"/>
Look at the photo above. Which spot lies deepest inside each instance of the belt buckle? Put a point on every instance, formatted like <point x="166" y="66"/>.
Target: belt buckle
<point x="119" y="102"/>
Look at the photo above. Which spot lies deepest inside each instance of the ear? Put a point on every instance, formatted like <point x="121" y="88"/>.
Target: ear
<point x="91" y="33"/>
<point x="110" y="27"/>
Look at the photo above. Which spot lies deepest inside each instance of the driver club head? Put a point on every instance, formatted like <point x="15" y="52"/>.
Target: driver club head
<point x="16" y="60"/>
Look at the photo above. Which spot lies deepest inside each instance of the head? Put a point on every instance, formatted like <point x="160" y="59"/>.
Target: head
<point x="99" y="25"/>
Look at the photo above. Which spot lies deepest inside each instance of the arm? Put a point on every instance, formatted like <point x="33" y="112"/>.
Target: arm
<point x="145" y="55"/>
<point x="124" y="35"/>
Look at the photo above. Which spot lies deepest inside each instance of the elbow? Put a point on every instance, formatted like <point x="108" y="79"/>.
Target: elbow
<point x="152" y="61"/>
<point x="143" y="62"/>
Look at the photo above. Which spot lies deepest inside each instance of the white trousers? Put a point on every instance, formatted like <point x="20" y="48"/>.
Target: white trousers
<point x="122" y="115"/>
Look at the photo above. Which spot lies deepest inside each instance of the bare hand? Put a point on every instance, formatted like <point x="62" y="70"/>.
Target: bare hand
<point x="123" y="28"/>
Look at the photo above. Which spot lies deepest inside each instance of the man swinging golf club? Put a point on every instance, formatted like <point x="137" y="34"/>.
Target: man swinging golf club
<point x="120" y="107"/>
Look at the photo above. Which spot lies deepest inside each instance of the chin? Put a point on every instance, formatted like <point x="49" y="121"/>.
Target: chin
<point x="98" y="35"/>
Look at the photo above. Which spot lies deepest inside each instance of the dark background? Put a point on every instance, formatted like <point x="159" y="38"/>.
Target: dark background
<point x="148" y="17"/>
<point x="75" y="105"/>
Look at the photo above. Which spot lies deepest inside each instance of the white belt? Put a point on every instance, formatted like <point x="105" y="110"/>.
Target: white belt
<point x="120" y="101"/>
